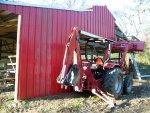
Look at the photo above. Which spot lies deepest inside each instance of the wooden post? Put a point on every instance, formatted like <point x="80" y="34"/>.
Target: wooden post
<point x="17" y="58"/>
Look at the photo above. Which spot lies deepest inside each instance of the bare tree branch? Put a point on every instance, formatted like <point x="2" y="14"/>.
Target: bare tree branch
<point x="70" y="3"/>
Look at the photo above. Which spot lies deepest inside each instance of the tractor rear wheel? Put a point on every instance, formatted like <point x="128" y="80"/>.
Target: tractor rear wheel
<point x="113" y="82"/>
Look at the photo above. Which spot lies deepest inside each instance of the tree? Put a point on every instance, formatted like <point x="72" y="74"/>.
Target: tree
<point x="133" y="19"/>
<point x="70" y="3"/>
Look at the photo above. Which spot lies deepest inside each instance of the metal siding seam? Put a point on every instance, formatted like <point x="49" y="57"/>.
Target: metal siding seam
<point x="52" y="51"/>
<point x="88" y="21"/>
<point x="37" y="53"/>
<point x="94" y="22"/>
<point x="86" y="16"/>
<point x="52" y="54"/>
<point x="68" y="24"/>
<point x="106" y="22"/>
<point x="72" y="19"/>
<point x="54" y="60"/>
<point x="92" y="19"/>
<point x="99" y="21"/>
<point x="97" y="12"/>
<point x="76" y="19"/>
<point x="23" y="63"/>
<point x="109" y="30"/>
<point x="59" y="49"/>
<point x="79" y="22"/>
<point x="62" y="14"/>
<point x="102" y="22"/>
<point x="112" y="27"/>
<point x="29" y="56"/>
<point x="33" y="13"/>
<point x="48" y="52"/>
<point x="27" y="52"/>
<point x="63" y="36"/>
<point x="82" y="20"/>
<point x="43" y="52"/>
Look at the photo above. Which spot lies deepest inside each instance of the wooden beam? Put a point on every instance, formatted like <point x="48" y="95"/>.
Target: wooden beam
<point x="10" y="51"/>
<point x="8" y="39"/>
<point x="9" y="35"/>
<point x="8" y="44"/>
<point x="4" y="24"/>
<point x="11" y="28"/>
<point x="8" y="17"/>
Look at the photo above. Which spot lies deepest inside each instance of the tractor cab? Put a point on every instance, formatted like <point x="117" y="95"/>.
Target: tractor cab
<point x="95" y="52"/>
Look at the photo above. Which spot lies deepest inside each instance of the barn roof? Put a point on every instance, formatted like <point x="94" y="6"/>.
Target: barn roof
<point x="43" y="6"/>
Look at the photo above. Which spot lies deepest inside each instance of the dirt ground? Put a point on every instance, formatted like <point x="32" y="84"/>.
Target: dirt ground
<point x="137" y="102"/>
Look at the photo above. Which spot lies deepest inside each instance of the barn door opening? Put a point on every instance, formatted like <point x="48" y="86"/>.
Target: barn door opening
<point x="9" y="50"/>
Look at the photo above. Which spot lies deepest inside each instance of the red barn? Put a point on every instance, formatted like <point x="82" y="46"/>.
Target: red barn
<point x="40" y="33"/>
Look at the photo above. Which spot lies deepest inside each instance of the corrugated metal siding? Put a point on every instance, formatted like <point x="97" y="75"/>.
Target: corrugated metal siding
<point x="42" y="42"/>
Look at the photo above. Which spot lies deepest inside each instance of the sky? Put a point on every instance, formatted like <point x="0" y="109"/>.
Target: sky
<point x="111" y="4"/>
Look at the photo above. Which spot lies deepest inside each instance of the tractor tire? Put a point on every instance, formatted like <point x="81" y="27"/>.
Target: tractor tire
<point x="113" y="82"/>
<point x="128" y="84"/>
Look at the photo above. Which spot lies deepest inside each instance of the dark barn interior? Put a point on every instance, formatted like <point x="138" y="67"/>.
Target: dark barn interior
<point x="8" y="39"/>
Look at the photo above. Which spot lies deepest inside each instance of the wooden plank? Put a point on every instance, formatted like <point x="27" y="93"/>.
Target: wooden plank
<point x="12" y="56"/>
<point x="8" y="17"/>
<point x="9" y="64"/>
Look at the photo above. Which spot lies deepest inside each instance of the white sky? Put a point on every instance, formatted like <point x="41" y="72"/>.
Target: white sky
<point x="111" y="4"/>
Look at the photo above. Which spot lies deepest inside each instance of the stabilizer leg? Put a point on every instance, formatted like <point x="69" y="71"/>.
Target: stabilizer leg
<point x="104" y="97"/>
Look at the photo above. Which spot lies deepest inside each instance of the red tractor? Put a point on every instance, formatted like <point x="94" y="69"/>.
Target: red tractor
<point x="87" y="65"/>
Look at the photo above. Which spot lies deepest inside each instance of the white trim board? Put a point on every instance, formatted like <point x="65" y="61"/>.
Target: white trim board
<point x="17" y="58"/>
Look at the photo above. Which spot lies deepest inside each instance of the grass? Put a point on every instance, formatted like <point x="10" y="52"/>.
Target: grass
<point x="143" y="59"/>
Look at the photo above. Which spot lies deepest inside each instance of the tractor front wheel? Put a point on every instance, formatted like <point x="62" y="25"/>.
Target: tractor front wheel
<point x="128" y="84"/>
<point x="113" y="82"/>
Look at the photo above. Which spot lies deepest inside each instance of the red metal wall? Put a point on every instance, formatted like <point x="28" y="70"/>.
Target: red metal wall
<point x="42" y="40"/>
